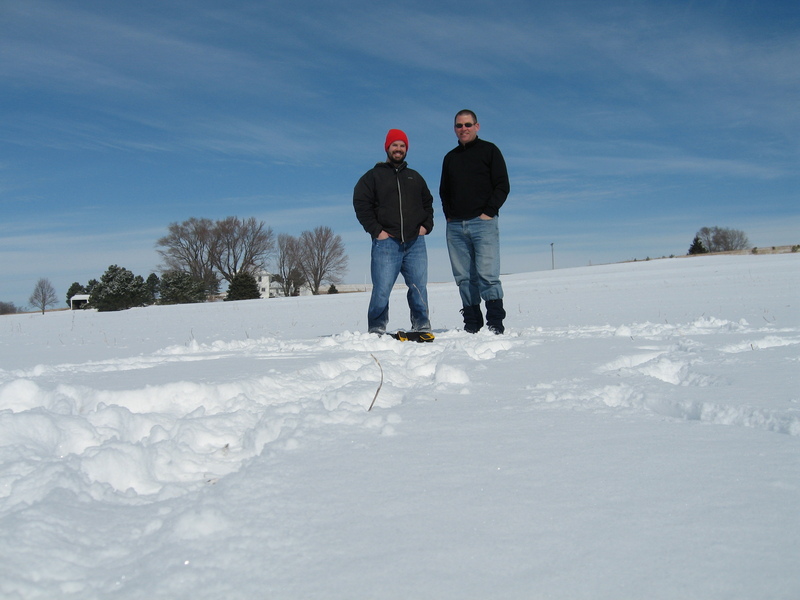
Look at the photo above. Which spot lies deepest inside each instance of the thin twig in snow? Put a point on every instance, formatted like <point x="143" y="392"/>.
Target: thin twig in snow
<point x="379" y="385"/>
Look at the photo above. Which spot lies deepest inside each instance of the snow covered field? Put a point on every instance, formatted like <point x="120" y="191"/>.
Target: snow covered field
<point x="636" y="434"/>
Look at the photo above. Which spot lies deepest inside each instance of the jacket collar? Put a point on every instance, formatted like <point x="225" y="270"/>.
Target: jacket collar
<point x="470" y="144"/>
<point x="389" y="165"/>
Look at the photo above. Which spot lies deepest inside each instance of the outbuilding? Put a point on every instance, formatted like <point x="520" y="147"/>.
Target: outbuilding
<point x="78" y="301"/>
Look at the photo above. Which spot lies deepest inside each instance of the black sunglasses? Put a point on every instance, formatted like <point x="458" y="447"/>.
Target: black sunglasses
<point x="460" y="125"/>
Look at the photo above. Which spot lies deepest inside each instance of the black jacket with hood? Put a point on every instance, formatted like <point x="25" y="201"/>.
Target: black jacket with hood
<point x="395" y="200"/>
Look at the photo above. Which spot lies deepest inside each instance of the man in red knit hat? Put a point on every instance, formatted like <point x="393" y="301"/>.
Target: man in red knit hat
<point x="393" y="204"/>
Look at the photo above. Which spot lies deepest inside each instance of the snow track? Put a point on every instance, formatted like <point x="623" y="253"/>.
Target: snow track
<point x="203" y="448"/>
<point x="187" y="433"/>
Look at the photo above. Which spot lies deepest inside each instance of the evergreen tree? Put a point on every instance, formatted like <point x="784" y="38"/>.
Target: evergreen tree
<point x="152" y="284"/>
<point x="243" y="287"/>
<point x="697" y="247"/>
<point x="90" y="286"/>
<point x="118" y="289"/>
<point x="179" y="287"/>
<point x="74" y="289"/>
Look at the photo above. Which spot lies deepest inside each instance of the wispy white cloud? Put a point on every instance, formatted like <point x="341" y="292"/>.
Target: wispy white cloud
<point x="125" y="116"/>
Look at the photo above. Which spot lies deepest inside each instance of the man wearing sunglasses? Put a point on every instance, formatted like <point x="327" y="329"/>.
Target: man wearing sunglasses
<point x="394" y="205"/>
<point x="473" y="187"/>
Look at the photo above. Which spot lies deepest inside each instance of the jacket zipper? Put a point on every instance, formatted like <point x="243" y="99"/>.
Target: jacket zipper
<point x="400" y="203"/>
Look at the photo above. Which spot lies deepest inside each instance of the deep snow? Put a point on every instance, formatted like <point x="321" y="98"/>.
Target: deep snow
<point x="635" y="434"/>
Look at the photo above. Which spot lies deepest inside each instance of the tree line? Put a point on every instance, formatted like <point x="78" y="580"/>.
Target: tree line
<point x="215" y="251"/>
<point x="200" y="254"/>
<point x="718" y="239"/>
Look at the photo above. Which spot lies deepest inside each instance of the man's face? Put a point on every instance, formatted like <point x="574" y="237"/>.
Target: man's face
<point x="397" y="152"/>
<point x="466" y="129"/>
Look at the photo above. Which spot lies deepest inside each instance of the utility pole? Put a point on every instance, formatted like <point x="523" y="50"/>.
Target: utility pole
<point x="553" y="255"/>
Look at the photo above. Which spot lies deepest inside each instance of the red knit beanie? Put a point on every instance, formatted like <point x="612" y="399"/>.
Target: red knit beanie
<point x="395" y="135"/>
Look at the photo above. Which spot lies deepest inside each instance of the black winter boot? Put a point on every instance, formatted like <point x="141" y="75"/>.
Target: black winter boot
<point x="495" y="315"/>
<point x="473" y="318"/>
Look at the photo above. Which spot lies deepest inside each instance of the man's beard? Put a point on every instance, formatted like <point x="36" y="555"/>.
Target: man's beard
<point x="396" y="161"/>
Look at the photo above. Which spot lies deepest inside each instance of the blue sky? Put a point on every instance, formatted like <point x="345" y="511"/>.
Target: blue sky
<point x="626" y="126"/>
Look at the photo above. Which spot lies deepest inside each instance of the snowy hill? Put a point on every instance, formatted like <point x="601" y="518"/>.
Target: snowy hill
<point x="636" y="434"/>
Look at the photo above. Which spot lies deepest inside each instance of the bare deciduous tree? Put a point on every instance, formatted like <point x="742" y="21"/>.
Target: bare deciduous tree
<point x="322" y="257"/>
<point x="186" y="248"/>
<point x="288" y="265"/>
<point x="240" y="246"/>
<point x="720" y="239"/>
<point x="225" y="248"/>
<point x="733" y="239"/>
<point x="209" y="249"/>
<point x="43" y="296"/>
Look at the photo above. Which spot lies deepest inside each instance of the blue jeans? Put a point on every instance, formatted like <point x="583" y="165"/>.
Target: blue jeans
<point x="474" y="247"/>
<point x="390" y="257"/>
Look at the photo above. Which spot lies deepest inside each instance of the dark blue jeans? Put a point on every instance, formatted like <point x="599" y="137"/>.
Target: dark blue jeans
<point x="390" y="257"/>
<point x="474" y="248"/>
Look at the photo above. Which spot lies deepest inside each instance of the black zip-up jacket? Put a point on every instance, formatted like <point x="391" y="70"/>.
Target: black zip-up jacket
<point x="474" y="181"/>
<point x="395" y="200"/>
